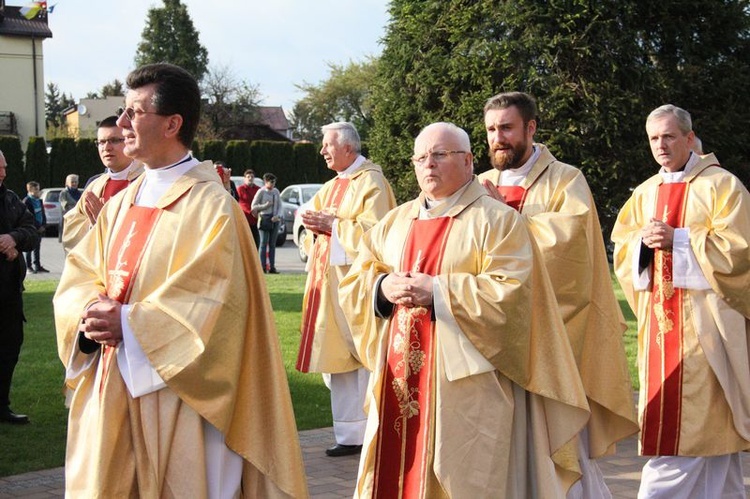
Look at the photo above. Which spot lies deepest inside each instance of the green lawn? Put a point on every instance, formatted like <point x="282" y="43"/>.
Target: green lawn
<point x="37" y="385"/>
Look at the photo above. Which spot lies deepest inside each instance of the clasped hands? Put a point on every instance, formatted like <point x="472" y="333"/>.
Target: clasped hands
<point x="657" y="235"/>
<point x="101" y="321"/>
<point x="92" y="205"/>
<point x="8" y="247"/>
<point x="320" y="222"/>
<point x="408" y="289"/>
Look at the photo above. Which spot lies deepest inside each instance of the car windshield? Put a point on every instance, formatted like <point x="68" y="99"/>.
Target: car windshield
<point x="52" y="197"/>
<point x="308" y="193"/>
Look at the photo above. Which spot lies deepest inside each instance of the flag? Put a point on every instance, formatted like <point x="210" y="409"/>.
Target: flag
<point x="30" y="11"/>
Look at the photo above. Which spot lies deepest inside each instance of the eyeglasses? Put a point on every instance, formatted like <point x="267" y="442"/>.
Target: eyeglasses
<point x="438" y="156"/>
<point x="130" y="113"/>
<point x="113" y="141"/>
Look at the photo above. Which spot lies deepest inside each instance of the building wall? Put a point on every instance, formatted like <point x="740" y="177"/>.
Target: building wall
<point x="85" y="125"/>
<point x="17" y="90"/>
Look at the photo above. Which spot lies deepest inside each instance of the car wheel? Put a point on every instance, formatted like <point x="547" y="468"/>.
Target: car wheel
<point x="281" y="239"/>
<point x="301" y="246"/>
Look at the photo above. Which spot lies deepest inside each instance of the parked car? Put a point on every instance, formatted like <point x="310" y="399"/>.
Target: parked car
<point x="299" y="232"/>
<point x="281" y="237"/>
<point x="292" y="198"/>
<point x="51" y="201"/>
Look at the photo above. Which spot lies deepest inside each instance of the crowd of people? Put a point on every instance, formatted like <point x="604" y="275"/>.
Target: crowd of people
<point x="470" y="337"/>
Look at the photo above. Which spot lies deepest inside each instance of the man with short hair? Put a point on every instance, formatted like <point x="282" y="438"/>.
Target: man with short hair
<point x="245" y="195"/>
<point x="180" y="390"/>
<point x="69" y="197"/>
<point x="17" y="234"/>
<point x="36" y="207"/>
<point x="341" y="211"/>
<point x="683" y="260"/>
<point x="119" y="172"/>
<point x="556" y="204"/>
<point x="475" y="392"/>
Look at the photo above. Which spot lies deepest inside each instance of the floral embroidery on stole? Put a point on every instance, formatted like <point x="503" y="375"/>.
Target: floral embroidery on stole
<point x="124" y="261"/>
<point x="660" y="433"/>
<point x="318" y="278"/>
<point x="405" y="434"/>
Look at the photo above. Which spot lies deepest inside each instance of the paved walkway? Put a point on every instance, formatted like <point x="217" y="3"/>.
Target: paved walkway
<point x="334" y="478"/>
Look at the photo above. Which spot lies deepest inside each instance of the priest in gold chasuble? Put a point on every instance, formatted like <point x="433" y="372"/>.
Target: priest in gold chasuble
<point x="683" y="260"/>
<point x="556" y="204"/>
<point x="178" y="385"/>
<point x="472" y="394"/>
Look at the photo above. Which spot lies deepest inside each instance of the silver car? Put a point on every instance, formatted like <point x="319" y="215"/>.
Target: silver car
<point x="51" y="201"/>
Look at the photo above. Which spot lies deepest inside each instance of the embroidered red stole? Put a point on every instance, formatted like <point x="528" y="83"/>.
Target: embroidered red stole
<point x="124" y="261"/>
<point x="514" y="195"/>
<point x="112" y="187"/>
<point x="660" y="432"/>
<point x="404" y="442"/>
<point x="318" y="278"/>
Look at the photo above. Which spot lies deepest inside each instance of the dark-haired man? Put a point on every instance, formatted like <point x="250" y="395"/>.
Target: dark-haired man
<point x="179" y="386"/>
<point x="120" y="172"/>
<point x="556" y="204"/>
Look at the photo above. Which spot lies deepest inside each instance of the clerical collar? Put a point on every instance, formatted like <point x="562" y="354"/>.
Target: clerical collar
<point x="674" y="177"/>
<point x="352" y="168"/>
<point x="514" y="176"/>
<point x="122" y="174"/>
<point x="434" y="208"/>
<point x="156" y="182"/>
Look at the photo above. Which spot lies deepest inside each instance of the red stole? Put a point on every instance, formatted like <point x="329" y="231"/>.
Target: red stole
<point x="406" y="432"/>
<point x="318" y="278"/>
<point x="660" y="432"/>
<point x="112" y="187"/>
<point x="124" y="261"/>
<point x="514" y="195"/>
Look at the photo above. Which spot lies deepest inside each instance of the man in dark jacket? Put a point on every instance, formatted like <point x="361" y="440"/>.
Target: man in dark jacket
<point x="17" y="234"/>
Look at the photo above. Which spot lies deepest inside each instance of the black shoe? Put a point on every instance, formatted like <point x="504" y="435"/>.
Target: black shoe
<point x="339" y="450"/>
<point x="42" y="270"/>
<point x="273" y="271"/>
<point x="33" y="270"/>
<point x="8" y="416"/>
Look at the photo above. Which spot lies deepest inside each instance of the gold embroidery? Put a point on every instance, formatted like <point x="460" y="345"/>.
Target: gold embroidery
<point x="406" y="343"/>
<point x="118" y="275"/>
<point x="664" y="290"/>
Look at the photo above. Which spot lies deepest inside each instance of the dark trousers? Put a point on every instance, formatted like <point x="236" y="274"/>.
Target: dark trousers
<point x="11" y="338"/>
<point x="35" y="251"/>
<point x="256" y="235"/>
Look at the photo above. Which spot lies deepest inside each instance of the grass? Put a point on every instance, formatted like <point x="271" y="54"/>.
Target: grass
<point x="37" y="384"/>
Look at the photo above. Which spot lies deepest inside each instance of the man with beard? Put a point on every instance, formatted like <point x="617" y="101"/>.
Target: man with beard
<point x="556" y="204"/>
<point x="120" y="171"/>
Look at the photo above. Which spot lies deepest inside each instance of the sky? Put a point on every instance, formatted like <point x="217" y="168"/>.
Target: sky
<point x="272" y="44"/>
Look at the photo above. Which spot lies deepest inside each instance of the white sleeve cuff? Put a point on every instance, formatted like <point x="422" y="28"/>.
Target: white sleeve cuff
<point x="686" y="273"/>
<point x="139" y="376"/>
<point x="460" y="357"/>
<point x="337" y="255"/>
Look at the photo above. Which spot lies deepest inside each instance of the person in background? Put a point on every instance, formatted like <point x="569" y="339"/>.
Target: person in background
<point x="267" y="204"/>
<point x="341" y="212"/>
<point x="165" y="328"/>
<point x="18" y="233"/>
<point x="474" y="390"/>
<point x="682" y="257"/>
<point x="245" y="195"/>
<point x="556" y="204"/>
<point x="68" y="199"/>
<point x="35" y="206"/>
<point x="119" y="172"/>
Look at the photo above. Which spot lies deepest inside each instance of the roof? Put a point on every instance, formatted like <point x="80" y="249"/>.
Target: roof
<point x="274" y="117"/>
<point x="12" y="23"/>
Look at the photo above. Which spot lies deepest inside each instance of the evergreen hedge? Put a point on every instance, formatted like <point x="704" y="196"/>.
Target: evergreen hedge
<point x="37" y="162"/>
<point x="88" y="162"/>
<point x="62" y="161"/>
<point x="238" y="156"/>
<point x="14" y="179"/>
<point x="214" y="150"/>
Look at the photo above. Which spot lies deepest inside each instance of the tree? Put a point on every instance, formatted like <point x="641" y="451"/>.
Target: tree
<point x="169" y="36"/>
<point x="596" y="69"/>
<point x="228" y="103"/>
<point x="54" y="104"/>
<point x="344" y="96"/>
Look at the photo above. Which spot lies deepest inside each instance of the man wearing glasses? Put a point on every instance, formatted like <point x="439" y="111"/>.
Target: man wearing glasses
<point x="179" y="387"/>
<point x="120" y="171"/>
<point x="556" y="204"/>
<point x="475" y="391"/>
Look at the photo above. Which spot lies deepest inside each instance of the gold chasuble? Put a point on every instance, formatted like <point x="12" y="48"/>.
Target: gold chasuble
<point x="404" y="460"/>
<point x="693" y="307"/>
<point x="478" y="396"/>
<point x="358" y="200"/>
<point x="317" y="282"/>
<point x="556" y="204"/>
<point x="199" y="309"/>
